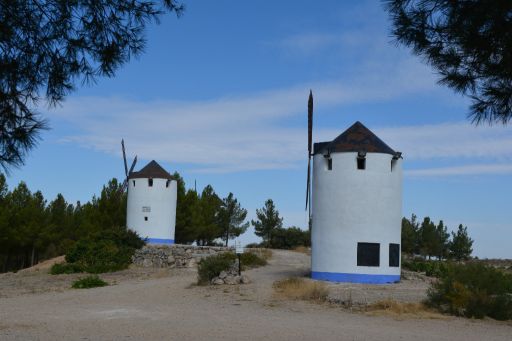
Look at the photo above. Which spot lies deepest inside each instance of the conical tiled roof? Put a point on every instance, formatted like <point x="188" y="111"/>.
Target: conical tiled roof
<point x="151" y="170"/>
<point x="354" y="139"/>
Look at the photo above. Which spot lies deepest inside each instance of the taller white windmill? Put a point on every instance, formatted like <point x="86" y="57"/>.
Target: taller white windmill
<point x="356" y="208"/>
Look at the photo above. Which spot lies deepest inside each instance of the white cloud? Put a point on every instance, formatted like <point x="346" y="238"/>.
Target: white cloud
<point x="248" y="133"/>
<point x="475" y="169"/>
<point x="226" y="134"/>
<point x="450" y="141"/>
<point x="251" y="132"/>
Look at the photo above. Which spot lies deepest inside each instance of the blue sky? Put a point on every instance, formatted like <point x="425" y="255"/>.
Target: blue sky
<point x="221" y="96"/>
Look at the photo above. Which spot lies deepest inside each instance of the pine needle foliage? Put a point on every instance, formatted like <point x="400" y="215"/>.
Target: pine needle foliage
<point x="48" y="46"/>
<point x="468" y="43"/>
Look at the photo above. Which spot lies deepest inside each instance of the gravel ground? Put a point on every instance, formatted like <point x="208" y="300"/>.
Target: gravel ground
<point x="412" y="288"/>
<point x="166" y="305"/>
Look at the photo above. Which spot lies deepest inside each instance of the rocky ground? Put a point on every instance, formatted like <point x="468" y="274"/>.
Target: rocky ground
<point x="165" y="304"/>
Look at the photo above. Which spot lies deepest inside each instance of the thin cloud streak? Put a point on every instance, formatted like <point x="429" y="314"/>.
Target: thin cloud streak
<point x="450" y="141"/>
<point x="478" y="169"/>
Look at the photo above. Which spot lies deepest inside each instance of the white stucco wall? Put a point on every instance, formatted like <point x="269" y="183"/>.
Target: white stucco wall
<point x="350" y="206"/>
<point x="160" y="200"/>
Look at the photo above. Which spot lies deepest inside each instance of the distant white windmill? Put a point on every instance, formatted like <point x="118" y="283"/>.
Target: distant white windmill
<point x="356" y="208"/>
<point x="151" y="207"/>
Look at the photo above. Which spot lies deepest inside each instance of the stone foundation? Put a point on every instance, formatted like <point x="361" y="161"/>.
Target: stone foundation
<point x="174" y="256"/>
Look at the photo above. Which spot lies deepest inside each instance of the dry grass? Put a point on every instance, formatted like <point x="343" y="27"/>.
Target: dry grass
<point x="303" y="249"/>
<point x="266" y="254"/>
<point x="402" y="309"/>
<point x="301" y="289"/>
<point x="44" y="265"/>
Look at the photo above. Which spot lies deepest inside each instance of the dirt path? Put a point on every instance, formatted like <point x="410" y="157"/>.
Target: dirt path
<point x="172" y="308"/>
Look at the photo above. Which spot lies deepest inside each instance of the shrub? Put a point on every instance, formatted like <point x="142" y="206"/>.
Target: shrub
<point x="212" y="266"/>
<point x="65" y="268"/>
<point x="436" y="269"/>
<point x="416" y="265"/>
<point x="430" y="268"/>
<point x="108" y="251"/>
<point x="97" y="256"/>
<point x="251" y="260"/>
<point x="290" y="238"/>
<point x="473" y="290"/>
<point x="89" y="282"/>
<point x="299" y="288"/>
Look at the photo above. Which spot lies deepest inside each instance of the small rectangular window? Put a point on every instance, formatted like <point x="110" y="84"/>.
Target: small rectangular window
<point x="167" y="183"/>
<point x="145" y="218"/>
<point x="150" y="182"/>
<point x="394" y="255"/>
<point x="329" y="164"/>
<point x="133" y="183"/>
<point x="361" y="163"/>
<point x="393" y="163"/>
<point x="368" y="254"/>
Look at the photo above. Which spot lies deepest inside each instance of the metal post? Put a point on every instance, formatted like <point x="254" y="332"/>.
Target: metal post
<point x="239" y="265"/>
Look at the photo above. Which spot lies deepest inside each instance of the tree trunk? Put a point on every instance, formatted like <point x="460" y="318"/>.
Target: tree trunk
<point x="6" y="263"/>
<point x="23" y="258"/>
<point x="32" y="258"/>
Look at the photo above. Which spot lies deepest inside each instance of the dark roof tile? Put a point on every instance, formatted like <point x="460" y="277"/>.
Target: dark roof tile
<point x="151" y="170"/>
<point x="354" y="139"/>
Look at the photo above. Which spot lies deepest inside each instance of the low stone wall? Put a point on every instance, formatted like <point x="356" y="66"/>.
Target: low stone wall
<point x="174" y="256"/>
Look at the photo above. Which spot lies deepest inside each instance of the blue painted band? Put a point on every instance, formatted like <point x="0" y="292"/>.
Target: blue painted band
<point x="159" y="241"/>
<point x="354" y="278"/>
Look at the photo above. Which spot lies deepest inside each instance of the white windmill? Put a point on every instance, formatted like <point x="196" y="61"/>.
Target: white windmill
<point x="151" y="207"/>
<point x="356" y="208"/>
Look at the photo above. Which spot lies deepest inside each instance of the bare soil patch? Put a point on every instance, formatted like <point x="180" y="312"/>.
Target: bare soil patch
<point x="37" y="280"/>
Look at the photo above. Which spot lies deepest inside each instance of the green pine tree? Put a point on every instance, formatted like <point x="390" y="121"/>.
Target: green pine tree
<point x="207" y="222"/>
<point x="461" y="245"/>
<point x="428" y="238"/>
<point x="232" y="218"/>
<point x="442" y="241"/>
<point x="188" y="217"/>
<point x="410" y="231"/>
<point x="267" y="222"/>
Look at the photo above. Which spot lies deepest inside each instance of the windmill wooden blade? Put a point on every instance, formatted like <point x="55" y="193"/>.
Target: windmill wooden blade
<point x="310" y="121"/>
<point x="124" y="159"/>
<point x="308" y="183"/>
<point x="310" y="143"/>
<point x="132" y="167"/>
